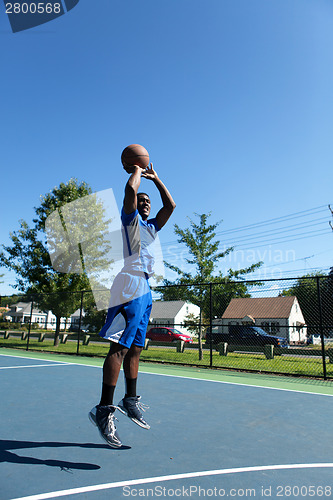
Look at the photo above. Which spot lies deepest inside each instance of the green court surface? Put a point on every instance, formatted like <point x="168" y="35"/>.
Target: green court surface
<point x="310" y="385"/>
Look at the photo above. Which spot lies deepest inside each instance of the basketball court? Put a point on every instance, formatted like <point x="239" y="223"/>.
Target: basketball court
<point x="213" y="433"/>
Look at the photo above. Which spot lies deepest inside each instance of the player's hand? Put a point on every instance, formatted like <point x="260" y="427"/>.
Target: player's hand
<point x="132" y="168"/>
<point x="150" y="173"/>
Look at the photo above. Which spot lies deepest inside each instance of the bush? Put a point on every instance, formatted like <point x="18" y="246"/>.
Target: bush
<point x="7" y="325"/>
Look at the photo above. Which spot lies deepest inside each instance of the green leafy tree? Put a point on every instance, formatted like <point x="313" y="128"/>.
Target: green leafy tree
<point x="194" y="324"/>
<point x="204" y="258"/>
<point x="327" y="301"/>
<point x="37" y="276"/>
<point x="8" y="300"/>
<point x="307" y="289"/>
<point x="93" y="318"/>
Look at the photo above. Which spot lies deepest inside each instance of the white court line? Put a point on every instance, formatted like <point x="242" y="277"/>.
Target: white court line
<point x="160" y="479"/>
<point x="32" y="366"/>
<point x="241" y="384"/>
<point x="311" y="393"/>
<point x="32" y="357"/>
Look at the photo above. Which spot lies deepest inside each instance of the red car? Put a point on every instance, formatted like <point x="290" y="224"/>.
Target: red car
<point x="167" y="334"/>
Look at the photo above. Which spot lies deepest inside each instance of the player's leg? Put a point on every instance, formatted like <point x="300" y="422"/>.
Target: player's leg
<point x="131" y="369"/>
<point x="121" y="326"/>
<point x="111" y="369"/>
<point x="130" y="404"/>
<point x="102" y="415"/>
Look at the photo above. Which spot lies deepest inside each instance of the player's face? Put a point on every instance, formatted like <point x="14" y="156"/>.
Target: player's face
<point x="144" y="206"/>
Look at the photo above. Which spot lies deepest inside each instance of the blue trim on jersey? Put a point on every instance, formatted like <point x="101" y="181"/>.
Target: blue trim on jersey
<point x="126" y="219"/>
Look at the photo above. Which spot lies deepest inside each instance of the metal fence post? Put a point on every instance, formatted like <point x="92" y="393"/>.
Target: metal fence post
<point x="80" y="322"/>
<point x="323" y="354"/>
<point x="211" y="323"/>
<point x="30" y="321"/>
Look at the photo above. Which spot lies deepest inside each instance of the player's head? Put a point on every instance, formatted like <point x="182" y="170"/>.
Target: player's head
<point x="143" y="205"/>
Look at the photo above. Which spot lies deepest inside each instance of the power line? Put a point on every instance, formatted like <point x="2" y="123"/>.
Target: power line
<point x="286" y="218"/>
<point x="330" y="223"/>
<point x="256" y="276"/>
<point x="288" y="229"/>
<point x="283" y="239"/>
<point x="276" y="220"/>
<point x="178" y="250"/>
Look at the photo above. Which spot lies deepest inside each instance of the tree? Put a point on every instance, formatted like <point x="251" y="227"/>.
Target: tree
<point x="46" y="283"/>
<point x="307" y="292"/>
<point x="8" y="300"/>
<point x="93" y="318"/>
<point x="327" y="301"/>
<point x="204" y="257"/>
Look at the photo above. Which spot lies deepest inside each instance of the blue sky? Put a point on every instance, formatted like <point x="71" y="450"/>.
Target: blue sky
<point x="232" y="98"/>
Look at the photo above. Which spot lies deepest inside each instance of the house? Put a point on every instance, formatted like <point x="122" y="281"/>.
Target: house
<point x="21" y="313"/>
<point x="172" y="313"/>
<point x="75" y="320"/>
<point x="280" y="316"/>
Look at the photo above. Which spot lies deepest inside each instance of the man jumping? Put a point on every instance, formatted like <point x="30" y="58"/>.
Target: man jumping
<point x="130" y="303"/>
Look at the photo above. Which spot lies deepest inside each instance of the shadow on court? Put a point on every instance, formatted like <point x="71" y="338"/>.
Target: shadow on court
<point x="9" y="456"/>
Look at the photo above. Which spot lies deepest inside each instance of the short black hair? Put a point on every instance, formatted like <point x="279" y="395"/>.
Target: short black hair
<point x="143" y="194"/>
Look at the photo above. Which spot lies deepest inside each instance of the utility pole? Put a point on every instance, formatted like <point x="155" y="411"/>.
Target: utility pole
<point x="330" y="222"/>
<point x="305" y="262"/>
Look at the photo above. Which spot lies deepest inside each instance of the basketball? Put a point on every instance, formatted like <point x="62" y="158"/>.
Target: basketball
<point x="135" y="154"/>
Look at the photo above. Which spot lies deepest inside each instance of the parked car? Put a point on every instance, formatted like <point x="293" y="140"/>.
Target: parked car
<point x="245" y="335"/>
<point x="75" y="328"/>
<point x="167" y="334"/>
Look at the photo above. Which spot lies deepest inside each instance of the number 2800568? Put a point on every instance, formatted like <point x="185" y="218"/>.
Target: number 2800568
<point x="33" y="8"/>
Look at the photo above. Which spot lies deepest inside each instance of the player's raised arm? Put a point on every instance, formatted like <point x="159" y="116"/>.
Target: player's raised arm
<point x="168" y="203"/>
<point x="131" y="188"/>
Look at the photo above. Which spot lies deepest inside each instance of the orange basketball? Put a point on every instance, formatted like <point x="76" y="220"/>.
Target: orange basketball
<point x="135" y="154"/>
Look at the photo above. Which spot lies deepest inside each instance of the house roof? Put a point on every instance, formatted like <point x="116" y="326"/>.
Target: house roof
<point x="21" y="308"/>
<point x="166" y="308"/>
<point x="76" y="314"/>
<point x="259" y="307"/>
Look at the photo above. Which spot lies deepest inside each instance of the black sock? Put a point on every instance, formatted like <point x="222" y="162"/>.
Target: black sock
<point x="130" y="387"/>
<point x="107" y="395"/>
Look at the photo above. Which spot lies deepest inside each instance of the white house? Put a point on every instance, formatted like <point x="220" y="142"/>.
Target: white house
<point x="75" y="320"/>
<point x="21" y="313"/>
<point x="173" y="313"/>
<point x="280" y="316"/>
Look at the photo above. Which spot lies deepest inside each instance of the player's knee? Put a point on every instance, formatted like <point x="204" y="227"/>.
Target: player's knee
<point x="136" y="349"/>
<point x="118" y="350"/>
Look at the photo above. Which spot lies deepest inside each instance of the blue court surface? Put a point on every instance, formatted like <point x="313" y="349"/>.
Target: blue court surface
<point x="213" y="434"/>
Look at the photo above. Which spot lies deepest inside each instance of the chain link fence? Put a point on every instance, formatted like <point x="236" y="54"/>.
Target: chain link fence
<point x="273" y="326"/>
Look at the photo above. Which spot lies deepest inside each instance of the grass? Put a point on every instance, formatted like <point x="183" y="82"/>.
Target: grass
<point x="289" y="365"/>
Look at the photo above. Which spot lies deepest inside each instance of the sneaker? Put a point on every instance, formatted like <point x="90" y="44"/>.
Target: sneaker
<point x="131" y="407"/>
<point x="103" y="417"/>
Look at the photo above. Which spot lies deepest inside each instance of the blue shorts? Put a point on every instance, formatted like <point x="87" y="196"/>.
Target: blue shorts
<point x="129" y="312"/>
